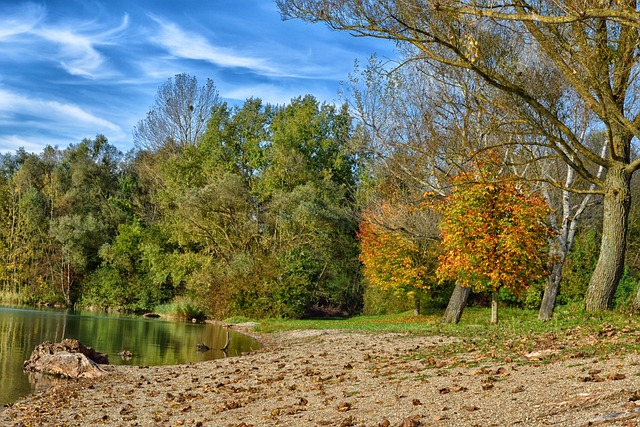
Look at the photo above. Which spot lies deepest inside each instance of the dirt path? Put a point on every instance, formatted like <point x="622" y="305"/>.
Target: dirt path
<point x="334" y="378"/>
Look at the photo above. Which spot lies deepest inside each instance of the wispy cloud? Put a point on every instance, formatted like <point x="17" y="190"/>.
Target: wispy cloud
<point x="72" y="45"/>
<point x="77" y="46"/>
<point x="15" y="20"/>
<point x="12" y="142"/>
<point x="188" y="45"/>
<point x="44" y="111"/>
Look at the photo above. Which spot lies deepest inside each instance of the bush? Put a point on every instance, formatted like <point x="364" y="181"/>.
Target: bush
<point x="578" y="267"/>
<point x="384" y="301"/>
<point x="626" y="292"/>
<point x="380" y="301"/>
<point x="533" y="296"/>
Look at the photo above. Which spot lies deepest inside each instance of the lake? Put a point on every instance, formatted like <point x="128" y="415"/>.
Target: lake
<point x="151" y="341"/>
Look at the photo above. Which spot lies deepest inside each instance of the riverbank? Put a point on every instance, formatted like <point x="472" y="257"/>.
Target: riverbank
<point x="338" y="378"/>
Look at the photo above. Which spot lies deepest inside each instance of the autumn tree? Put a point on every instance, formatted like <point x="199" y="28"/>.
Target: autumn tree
<point x="493" y="235"/>
<point x="520" y="49"/>
<point x="393" y="257"/>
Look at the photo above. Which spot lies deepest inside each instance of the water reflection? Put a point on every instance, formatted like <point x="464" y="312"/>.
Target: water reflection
<point x="148" y="342"/>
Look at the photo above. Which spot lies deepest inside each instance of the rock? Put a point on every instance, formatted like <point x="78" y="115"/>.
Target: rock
<point x="541" y="354"/>
<point x="125" y="354"/>
<point x="68" y="359"/>
<point x="202" y="347"/>
<point x="69" y="365"/>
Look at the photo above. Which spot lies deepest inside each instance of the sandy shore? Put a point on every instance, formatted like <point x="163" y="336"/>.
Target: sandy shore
<point x="335" y="378"/>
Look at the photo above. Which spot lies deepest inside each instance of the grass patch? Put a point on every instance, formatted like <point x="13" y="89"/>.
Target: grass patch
<point x="182" y="309"/>
<point x="572" y="333"/>
<point x="239" y="319"/>
<point x="15" y="298"/>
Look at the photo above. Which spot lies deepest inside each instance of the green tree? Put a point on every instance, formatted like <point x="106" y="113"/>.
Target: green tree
<point x="83" y="216"/>
<point x="253" y="232"/>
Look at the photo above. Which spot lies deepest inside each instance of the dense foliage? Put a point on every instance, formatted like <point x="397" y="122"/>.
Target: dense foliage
<point x="287" y="211"/>
<point x="493" y="234"/>
<point x="254" y="218"/>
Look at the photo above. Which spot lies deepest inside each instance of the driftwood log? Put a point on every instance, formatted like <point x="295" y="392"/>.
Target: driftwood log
<point x="67" y="359"/>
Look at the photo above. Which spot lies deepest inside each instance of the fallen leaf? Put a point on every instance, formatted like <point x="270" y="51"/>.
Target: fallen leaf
<point x="410" y="422"/>
<point x="518" y="389"/>
<point x="344" y="406"/>
<point x="347" y="422"/>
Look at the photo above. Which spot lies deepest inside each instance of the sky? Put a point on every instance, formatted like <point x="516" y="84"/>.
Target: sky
<point x="72" y="69"/>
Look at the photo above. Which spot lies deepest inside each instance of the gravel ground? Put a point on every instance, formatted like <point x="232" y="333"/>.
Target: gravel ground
<point x="336" y="378"/>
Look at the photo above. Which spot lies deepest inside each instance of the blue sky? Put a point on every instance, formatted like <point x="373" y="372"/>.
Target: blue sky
<point x="70" y="69"/>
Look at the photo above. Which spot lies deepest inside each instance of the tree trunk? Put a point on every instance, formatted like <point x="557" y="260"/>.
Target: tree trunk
<point x="551" y="291"/>
<point x="636" y="302"/>
<point x="456" y="305"/>
<point x="562" y="242"/>
<point x="610" y="265"/>
<point x="416" y="305"/>
<point x="494" y="307"/>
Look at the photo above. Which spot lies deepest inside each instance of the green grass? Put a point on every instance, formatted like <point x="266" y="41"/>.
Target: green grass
<point x="181" y="309"/>
<point x="572" y="333"/>
<point x="15" y="298"/>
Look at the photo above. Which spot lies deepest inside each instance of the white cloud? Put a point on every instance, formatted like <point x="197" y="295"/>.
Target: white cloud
<point x="52" y="115"/>
<point x="32" y="144"/>
<point x="19" y="20"/>
<point x="73" y="45"/>
<point x="78" y="46"/>
<point x="80" y="58"/>
<point x="194" y="46"/>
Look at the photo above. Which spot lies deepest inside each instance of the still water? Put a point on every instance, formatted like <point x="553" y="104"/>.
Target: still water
<point x="151" y="341"/>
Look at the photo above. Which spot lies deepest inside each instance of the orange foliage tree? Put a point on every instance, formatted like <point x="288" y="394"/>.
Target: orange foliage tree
<point x="493" y="235"/>
<point x="392" y="258"/>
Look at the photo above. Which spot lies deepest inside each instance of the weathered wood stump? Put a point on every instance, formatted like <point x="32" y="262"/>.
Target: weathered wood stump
<point x="67" y="359"/>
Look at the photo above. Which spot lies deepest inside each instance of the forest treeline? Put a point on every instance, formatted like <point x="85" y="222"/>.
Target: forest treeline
<point x="257" y="210"/>
<point x="255" y="216"/>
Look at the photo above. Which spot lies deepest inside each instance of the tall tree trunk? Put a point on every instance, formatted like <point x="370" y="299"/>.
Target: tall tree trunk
<point x="551" y="291"/>
<point x="494" y="307"/>
<point x="610" y="265"/>
<point x="562" y="242"/>
<point x="456" y="305"/>
<point x="416" y="305"/>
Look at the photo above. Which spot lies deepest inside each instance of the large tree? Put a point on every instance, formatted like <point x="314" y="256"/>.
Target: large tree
<point x="179" y="116"/>
<point x="529" y="51"/>
<point x="493" y="234"/>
